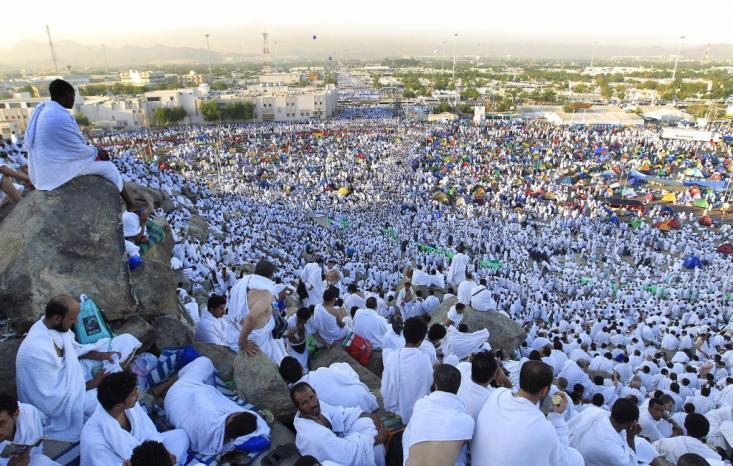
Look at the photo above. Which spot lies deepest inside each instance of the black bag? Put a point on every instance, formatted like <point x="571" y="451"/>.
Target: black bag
<point x="301" y="290"/>
<point x="281" y="325"/>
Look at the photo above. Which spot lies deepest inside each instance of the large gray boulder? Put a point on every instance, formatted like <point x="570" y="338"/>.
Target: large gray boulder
<point x="198" y="228"/>
<point x="504" y="333"/>
<point x="8" y="350"/>
<point x="221" y="356"/>
<point x="329" y="356"/>
<point x="154" y="283"/>
<point x="138" y="328"/>
<point x="259" y="382"/>
<point x="170" y="332"/>
<point x="64" y="241"/>
<point x="149" y="197"/>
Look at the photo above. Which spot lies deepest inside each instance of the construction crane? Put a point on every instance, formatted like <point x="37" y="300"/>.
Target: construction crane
<point x="266" y="68"/>
<point x="53" y="52"/>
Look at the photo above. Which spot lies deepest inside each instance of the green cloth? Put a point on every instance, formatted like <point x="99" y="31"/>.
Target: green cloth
<point x="155" y="236"/>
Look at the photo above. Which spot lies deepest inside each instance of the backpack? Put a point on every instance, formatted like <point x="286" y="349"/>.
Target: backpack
<point x="358" y="348"/>
<point x="90" y="325"/>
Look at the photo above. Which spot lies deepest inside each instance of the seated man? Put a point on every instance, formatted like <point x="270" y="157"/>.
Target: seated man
<point x="607" y="440"/>
<point x="219" y="424"/>
<point x="22" y="424"/>
<point x="335" y="433"/>
<point x="511" y="429"/>
<point x="430" y="443"/>
<point x="7" y="187"/>
<point x="370" y="325"/>
<point x="58" y="376"/>
<point x="697" y="427"/>
<point x="119" y="424"/>
<point x="337" y="384"/>
<point x="210" y="328"/>
<point x="408" y="372"/>
<point x="57" y="150"/>
<point x="476" y="377"/>
<point x="328" y="319"/>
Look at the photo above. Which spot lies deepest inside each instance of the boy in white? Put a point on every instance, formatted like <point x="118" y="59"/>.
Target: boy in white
<point x="119" y="424"/>
<point x="210" y="328"/>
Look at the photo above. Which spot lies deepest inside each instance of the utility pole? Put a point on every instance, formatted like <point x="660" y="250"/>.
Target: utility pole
<point x="593" y="53"/>
<point x="53" y="52"/>
<point x="106" y="63"/>
<point x="677" y="58"/>
<point x="208" y="56"/>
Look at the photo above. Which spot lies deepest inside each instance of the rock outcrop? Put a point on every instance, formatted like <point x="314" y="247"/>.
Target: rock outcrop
<point x="64" y="241"/>
<point x="138" y="328"/>
<point x="8" y="351"/>
<point x="170" y="332"/>
<point x="221" y="356"/>
<point x="198" y="228"/>
<point x="504" y="333"/>
<point x="258" y="381"/>
<point x="153" y="198"/>
<point x="154" y="283"/>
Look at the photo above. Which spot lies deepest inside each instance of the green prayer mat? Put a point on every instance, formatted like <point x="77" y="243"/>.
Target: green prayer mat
<point x="155" y="236"/>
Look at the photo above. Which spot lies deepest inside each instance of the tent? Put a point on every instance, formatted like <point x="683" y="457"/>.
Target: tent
<point x="692" y="262"/>
<point x="701" y="203"/>
<point x="667" y="210"/>
<point x="664" y="226"/>
<point x="726" y="248"/>
<point x="441" y="197"/>
<point x="669" y="197"/>
<point x="343" y="191"/>
<point x="706" y="220"/>
<point x="635" y="223"/>
<point x="674" y="223"/>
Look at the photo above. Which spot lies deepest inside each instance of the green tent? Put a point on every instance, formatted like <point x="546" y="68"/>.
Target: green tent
<point x="492" y="264"/>
<point x="701" y="203"/>
<point x="635" y="223"/>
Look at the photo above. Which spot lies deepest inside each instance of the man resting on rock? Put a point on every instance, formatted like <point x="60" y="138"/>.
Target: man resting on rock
<point x="59" y="376"/>
<point x="335" y="433"/>
<point x="214" y="423"/>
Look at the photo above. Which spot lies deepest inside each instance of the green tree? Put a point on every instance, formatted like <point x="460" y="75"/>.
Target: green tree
<point x="442" y="107"/>
<point x="470" y="94"/>
<point x="163" y="115"/>
<point x="81" y="120"/>
<point x="238" y="111"/>
<point x="408" y="94"/>
<point x="219" y="86"/>
<point x="210" y="110"/>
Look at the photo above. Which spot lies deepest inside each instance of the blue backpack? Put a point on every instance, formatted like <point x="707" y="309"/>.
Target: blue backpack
<point x="90" y="325"/>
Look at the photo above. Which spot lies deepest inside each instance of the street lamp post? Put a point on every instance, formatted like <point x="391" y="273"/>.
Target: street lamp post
<point x="593" y="53"/>
<point x="208" y="56"/>
<point x="454" y="55"/>
<point x="677" y="58"/>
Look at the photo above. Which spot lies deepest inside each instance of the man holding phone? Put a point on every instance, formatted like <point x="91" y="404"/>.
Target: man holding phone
<point x="21" y="434"/>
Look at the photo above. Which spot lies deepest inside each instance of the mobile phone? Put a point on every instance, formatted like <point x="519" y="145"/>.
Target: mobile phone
<point x="12" y="450"/>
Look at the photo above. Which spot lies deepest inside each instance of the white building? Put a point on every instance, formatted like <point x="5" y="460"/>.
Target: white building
<point x="186" y="98"/>
<point x="15" y="113"/>
<point x="279" y="79"/>
<point x="296" y="104"/>
<point x="106" y="112"/>
<point x="142" y="78"/>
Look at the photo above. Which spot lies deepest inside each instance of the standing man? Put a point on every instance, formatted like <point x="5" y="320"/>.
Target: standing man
<point x="312" y="277"/>
<point x="57" y="150"/>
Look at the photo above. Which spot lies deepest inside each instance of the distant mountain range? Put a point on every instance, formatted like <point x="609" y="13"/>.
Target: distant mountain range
<point x="36" y="55"/>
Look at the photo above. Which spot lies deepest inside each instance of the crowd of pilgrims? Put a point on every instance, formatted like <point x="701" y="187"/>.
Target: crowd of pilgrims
<point x="373" y="225"/>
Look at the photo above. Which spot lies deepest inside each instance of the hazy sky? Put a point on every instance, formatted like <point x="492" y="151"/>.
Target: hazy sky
<point x="237" y="24"/>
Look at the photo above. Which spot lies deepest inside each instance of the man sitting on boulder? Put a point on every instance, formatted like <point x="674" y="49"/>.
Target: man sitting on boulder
<point x="59" y="376"/>
<point x="119" y="424"/>
<point x="57" y="150"/>
<point x="210" y="328"/>
<point x="337" y="384"/>
<point x="22" y="424"/>
<point x="214" y="423"/>
<point x="335" y="433"/>
<point x="7" y="187"/>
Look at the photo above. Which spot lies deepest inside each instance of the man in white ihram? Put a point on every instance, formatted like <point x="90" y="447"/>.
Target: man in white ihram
<point x="605" y="440"/>
<point x="55" y="374"/>
<point x="457" y="269"/>
<point x="511" y="429"/>
<point x="250" y="307"/>
<point x="430" y="443"/>
<point x="22" y="424"/>
<point x="312" y="277"/>
<point x="343" y="435"/>
<point x="57" y="150"/>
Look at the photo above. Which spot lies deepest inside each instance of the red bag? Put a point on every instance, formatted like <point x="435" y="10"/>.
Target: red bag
<point x="358" y="348"/>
